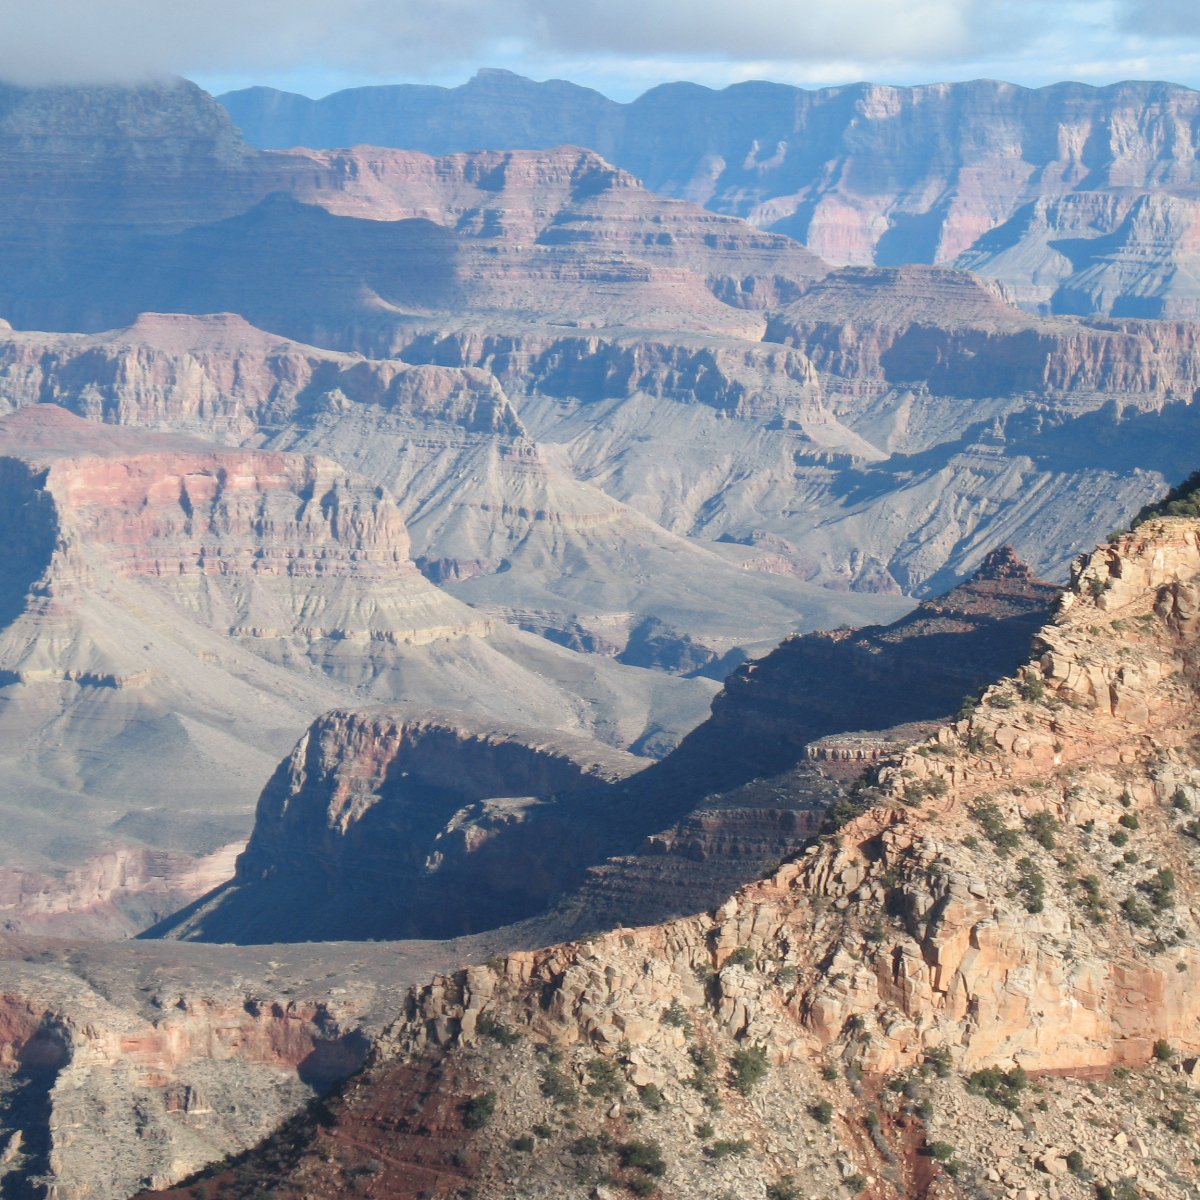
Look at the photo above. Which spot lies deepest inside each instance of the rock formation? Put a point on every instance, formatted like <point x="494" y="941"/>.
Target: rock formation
<point x="389" y="825"/>
<point x="168" y="601"/>
<point x="1013" y="897"/>
<point x="1078" y="199"/>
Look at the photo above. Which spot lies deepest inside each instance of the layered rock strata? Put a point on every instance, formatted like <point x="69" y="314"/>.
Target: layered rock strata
<point x="1014" y="897"/>
<point x="1078" y="199"/>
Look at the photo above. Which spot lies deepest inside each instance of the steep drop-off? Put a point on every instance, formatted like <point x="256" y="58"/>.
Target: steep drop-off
<point x="1014" y="897"/>
<point x="384" y="826"/>
<point x="173" y="603"/>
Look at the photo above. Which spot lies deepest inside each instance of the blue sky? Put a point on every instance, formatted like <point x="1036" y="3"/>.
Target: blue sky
<point x="620" y="47"/>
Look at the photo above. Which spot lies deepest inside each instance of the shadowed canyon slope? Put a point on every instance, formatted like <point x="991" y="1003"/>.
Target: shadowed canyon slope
<point x="1078" y="199"/>
<point x="381" y="826"/>
<point x="1015" y="895"/>
<point x="172" y="606"/>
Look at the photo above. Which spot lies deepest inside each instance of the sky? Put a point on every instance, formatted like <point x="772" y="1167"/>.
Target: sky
<point x="619" y="47"/>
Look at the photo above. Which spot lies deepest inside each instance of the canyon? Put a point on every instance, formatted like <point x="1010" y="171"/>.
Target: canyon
<point x="1076" y="199"/>
<point x="1014" y="893"/>
<point x="553" y="621"/>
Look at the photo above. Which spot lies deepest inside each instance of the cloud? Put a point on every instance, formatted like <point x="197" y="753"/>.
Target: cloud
<point x="97" y="40"/>
<point x="1160" y="18"/>
<point x="357" y="41"/>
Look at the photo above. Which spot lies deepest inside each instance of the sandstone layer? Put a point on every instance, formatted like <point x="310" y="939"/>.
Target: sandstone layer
<point x="389" y="825"/>
<point x="1016" y="892"/>
<point x="1078" y="199"/>
<point x="172" y="602"/>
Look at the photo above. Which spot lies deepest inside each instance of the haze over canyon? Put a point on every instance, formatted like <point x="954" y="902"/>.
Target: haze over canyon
<point x="534" y="628"/>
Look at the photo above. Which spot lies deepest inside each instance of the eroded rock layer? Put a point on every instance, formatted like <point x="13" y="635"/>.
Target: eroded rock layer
<point x="1015" y="896"/>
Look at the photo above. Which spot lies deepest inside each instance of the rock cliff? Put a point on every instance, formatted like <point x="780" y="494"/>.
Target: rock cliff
<point x="379" y="825"/>
<point x="389" y="825"/>
<point x="1078" y="198"/>
<point x="1011" y="898"/>
<point x="169" y="601"/>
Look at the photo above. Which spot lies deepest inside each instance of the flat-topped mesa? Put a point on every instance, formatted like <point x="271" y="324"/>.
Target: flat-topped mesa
<point x="386" y="824"/>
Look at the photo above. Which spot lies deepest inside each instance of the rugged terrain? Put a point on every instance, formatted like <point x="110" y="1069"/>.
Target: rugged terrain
<point x="1077" y="199"/>
<point x="174" y="613"/>
<point x="1010" y="906"/>
<point x="379" y="825"/>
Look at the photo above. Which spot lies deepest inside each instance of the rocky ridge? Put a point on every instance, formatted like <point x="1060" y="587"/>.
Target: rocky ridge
<point x="1078" y="199"/>
<point x="385" y="824"/>
<point x="1017" y="891"/>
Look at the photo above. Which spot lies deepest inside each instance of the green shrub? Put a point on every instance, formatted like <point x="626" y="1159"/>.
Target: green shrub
<point x="676" y="1016"/>
<point x="749" y="1067"/>
<point x="1042" y="827"/>
<point x="821" y="1112"/>
<point x="784" y="1189"/>
<point x="606" y="1079"/>
<point x="1163" y="1050"/>
<point x="479" y="1110"/>
<point x="641" y="1185"/>
<point x="1075" y="1162"/>
<point x="725" y="1148"/>
<point x="524" y="1144"/>
<point x="642" y="1156"/>
<point x="1159" y="889"/>
<point x="855" y="1183"/>
<point x="704" y="1131"/>
<point x="942" y="1151"/>
<point x="1000" y="1087"/>
<point x="938" y="1060"/>
<point x="1136" y="913"/>
<point x="1129" y="821"/>
<point x="557" y="1087"/>
<point x="991" y="821"/>
<point x="1031" y="885"/>
<point x="743" y="956"/>
<point x="489" y="1027"/>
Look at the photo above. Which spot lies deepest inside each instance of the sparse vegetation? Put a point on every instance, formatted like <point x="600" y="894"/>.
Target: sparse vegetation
<point x="642" y="1156"/>
<point x="489" y="1027"/>
<point x="1164" y="1051"/>
<point x="821" y="1112"/>
<point x="651" y="1097"/>
<point x="938" y="1061"/>
<point x="726" y="1148"/>
<point x="676" y="1016"/>
<point x="1031" y="885"/>
<point x="1042" y="827"/>
<point x="784" y="1189"/>
<point x="479" y="1110"/>
<point x="749" y="1067"/>
<point x="995" y="828"/>
<point x="1000" y="1087"/>
<point x="605" y="1079"/>
<point x="556" y="1086"/>
<point x="942" y="1151"/>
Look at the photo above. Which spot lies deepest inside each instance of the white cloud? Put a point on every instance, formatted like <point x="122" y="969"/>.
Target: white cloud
<point x="1160" y="18"/>
<point x="106" y="39"/>
<point x="603" y="42"/>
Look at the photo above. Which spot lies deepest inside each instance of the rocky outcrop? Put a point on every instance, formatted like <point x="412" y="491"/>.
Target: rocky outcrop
<point x="381" y="825"/>
<point x="1089" y="741"/>
<point x="190" y="1057"/>
<point x="171" y="601"/>
<point x="1013" y="897"/>
<point x="385" y="825"/>
<point x="1077" y="198"/>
